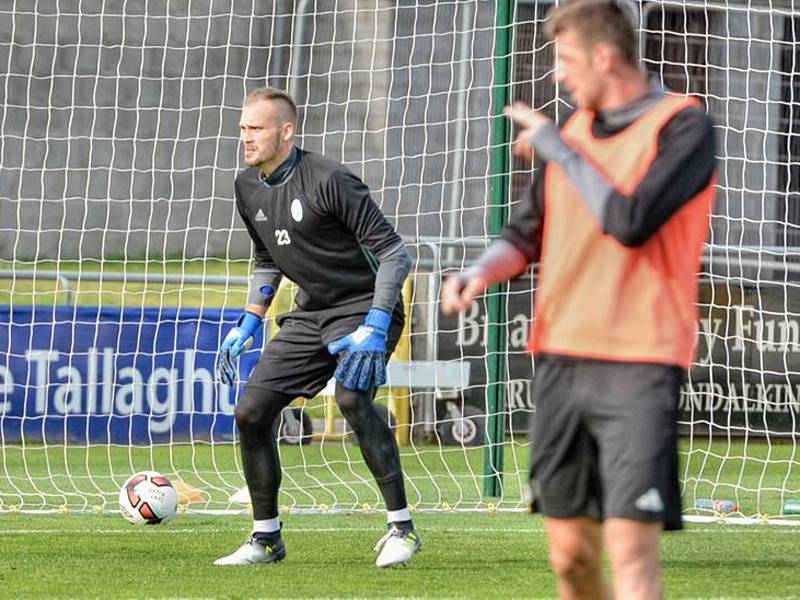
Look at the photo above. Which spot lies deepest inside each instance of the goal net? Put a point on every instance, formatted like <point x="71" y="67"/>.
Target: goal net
<point x="123" y="263"/>
<point x="741" y="405"/>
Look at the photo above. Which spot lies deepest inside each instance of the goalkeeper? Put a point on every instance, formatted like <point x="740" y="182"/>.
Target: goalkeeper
<point x="617" y="217"/>
<point x="314" y="221"/>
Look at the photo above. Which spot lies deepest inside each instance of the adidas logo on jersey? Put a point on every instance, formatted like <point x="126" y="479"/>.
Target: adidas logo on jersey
<point x="260" y="216"/>
<point x="650" y="501"/>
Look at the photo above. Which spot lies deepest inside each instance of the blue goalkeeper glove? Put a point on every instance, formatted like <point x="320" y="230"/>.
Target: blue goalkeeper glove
<point x="239" y="339"/>
<point x="362" y="360"/>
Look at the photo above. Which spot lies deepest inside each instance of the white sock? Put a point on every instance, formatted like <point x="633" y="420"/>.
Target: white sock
<point x="396" y="516"/>
<point x="267" y="525"/>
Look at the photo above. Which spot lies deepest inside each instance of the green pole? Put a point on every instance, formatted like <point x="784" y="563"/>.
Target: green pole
<point x="497" y="296"/>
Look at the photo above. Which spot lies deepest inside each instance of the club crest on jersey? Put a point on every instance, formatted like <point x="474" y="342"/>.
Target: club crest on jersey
<point x="260" y="216"/>
<point x="297" y="210"/>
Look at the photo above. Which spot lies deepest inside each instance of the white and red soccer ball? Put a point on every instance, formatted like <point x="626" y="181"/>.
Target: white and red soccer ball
<point x="148" y="498"/>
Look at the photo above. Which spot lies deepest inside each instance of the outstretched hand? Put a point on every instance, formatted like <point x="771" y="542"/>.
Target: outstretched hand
<point x="530" y="121"/>
<point x="458" y="295"/>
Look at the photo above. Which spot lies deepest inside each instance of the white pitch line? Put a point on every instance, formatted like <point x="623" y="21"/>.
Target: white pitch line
<point x="166" y="530"/>
<point x="185" y="530"/>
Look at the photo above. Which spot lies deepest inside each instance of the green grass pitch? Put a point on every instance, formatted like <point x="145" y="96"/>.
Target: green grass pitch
<point x="479" y="554"/>
<point x="471" y="555"/>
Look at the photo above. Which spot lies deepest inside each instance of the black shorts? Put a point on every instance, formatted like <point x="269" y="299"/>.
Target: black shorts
<point x="297" y="362"/>
<point x="605" y="440"/>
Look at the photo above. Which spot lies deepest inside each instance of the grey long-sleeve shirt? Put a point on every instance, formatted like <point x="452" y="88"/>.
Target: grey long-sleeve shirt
<point x="683" y="166"/>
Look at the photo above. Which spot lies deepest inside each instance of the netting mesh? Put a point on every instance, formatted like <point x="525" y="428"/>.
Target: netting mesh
<point x="123" y="262"/>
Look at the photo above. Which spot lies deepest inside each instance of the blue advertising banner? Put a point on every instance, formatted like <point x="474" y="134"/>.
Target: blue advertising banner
<point x="88" y="375"/>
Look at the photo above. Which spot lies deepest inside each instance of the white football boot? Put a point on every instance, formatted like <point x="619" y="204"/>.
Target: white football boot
<point x="253" y="552"/>
<point x="397" y="547"/>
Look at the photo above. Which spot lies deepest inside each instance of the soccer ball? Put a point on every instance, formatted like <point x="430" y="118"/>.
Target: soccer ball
<point x="148" y="498"/>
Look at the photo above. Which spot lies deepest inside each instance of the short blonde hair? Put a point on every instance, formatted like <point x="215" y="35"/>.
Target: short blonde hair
<point x="596" y="21"/>
<point x="268" y="93"/>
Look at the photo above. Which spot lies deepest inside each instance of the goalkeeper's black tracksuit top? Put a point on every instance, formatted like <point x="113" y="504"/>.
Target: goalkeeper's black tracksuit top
<point x="321" y="228"/>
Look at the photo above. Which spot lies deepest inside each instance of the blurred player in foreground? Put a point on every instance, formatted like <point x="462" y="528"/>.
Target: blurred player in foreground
<point x="617" y="216"/>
